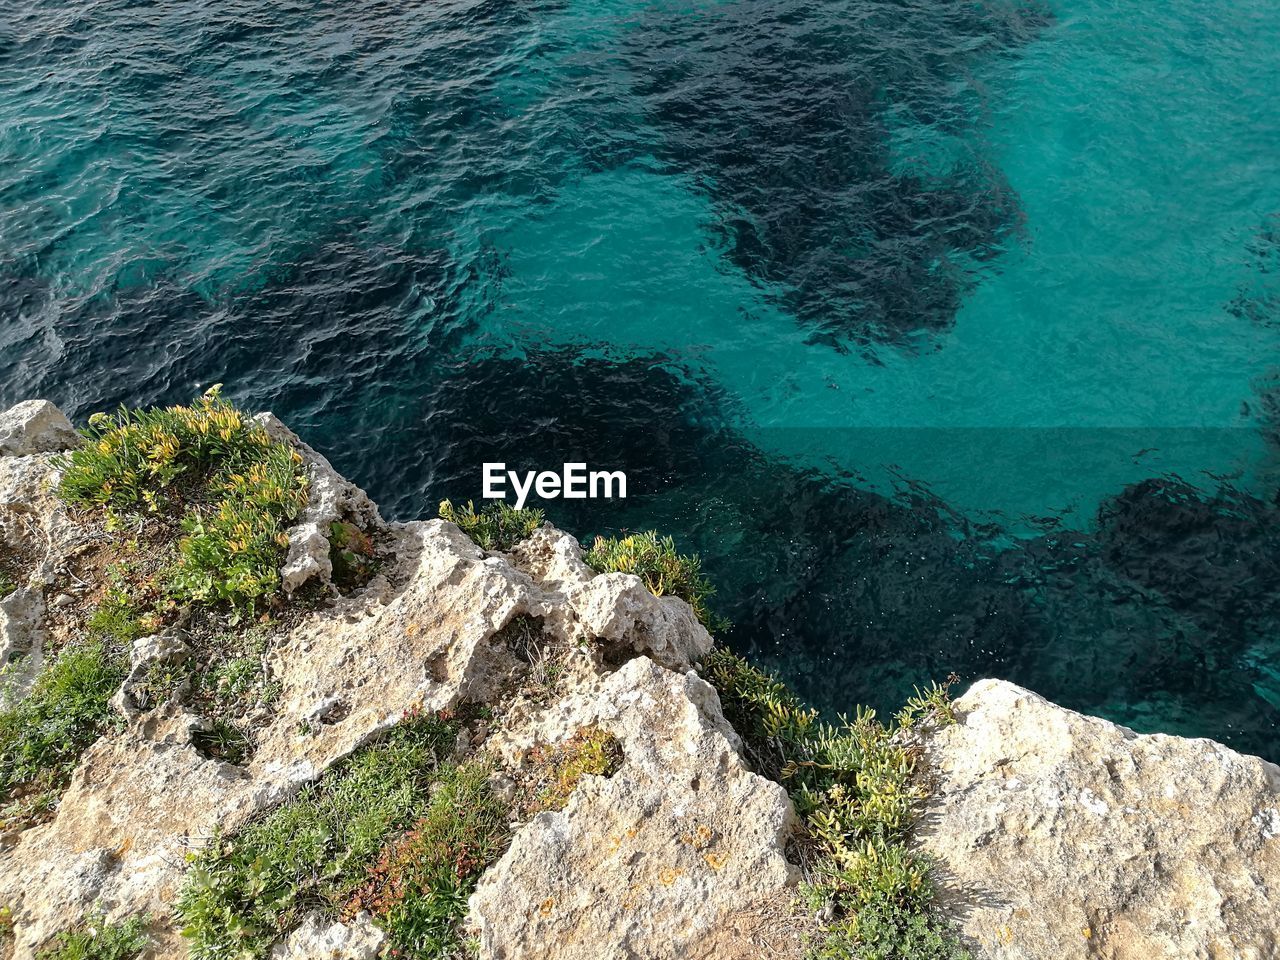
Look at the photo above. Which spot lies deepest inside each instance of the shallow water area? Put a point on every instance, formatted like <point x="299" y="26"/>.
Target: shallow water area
<point x="946" y="332"/>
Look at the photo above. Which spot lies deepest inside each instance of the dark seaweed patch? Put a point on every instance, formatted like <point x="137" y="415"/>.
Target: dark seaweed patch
<point x="783" y="113"/>
<point x="1163" y="615"/>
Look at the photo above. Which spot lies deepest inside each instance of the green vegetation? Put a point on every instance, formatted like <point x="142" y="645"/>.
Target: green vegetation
<point x="7" y="585"/>
<point x="655" y="560"/>
<point x="210" y="470"/>
<point x="418" y="888"/>
<point x="557" y="771"/>
<point x="119" y="619"/>
<point x="95" y="939"/>
<point x="43" y="735"/>
<point x="341" y="845"/>
<point x="854" y="785"/>
<point x="352" y="555"/>
<point x="495" y="526"/>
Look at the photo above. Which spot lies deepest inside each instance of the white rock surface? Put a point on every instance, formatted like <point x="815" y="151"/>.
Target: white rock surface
<point x="320" y="939"/>
<point x="1060" y="836"/>
<point x="35" y="426"/>
<point x="651" y="861"/>
<point x="21" y="642"/>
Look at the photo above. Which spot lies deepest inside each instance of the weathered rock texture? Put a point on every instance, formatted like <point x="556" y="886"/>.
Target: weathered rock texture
<point x="1063" y="836"/>
<point x="648" y="862"/>
<point x="1058" y="835"/>
<point x="426" y="632"/>
<point x="35" y="426"/>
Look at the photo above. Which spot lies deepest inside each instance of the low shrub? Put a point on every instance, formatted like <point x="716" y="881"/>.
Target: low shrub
<point x="211" y="471"/>
<point x="418" y="887"/>
<point x="854" y="784"/>
<point x="233" y="551"/>
<point x="663" y="569"/>
<point x="322" y="849"/>
<point x="95" y="939"/>
<point x="495" y="526"/>
<point x="43" y="735"/>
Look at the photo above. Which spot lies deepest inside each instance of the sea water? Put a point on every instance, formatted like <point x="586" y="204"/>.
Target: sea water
<point x="946" y="332"/>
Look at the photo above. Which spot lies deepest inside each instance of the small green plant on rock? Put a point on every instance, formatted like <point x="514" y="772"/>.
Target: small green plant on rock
<point x="209" y="474"/>
<point x="351" y="552"/>
<point x="401" y="803"/>
<point x="43" y="735"/>
<point x="119" y="619"/>
<point x="557" y="771"/>
<point x="854" y="784"/>
<point x="495" y="526"/>
<point x="664" y="570"/>
<point x="95" y="939"/>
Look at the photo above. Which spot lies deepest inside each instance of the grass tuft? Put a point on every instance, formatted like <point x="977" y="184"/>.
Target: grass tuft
<point x="119" y="619"/>
<point x="854" y="784"/>
<point x="43" y="735"/>
<point x="663" y="569"/>
<point x="398" y="828"/>
<point x="95" y="939"/>
<point x="495" y="526"/>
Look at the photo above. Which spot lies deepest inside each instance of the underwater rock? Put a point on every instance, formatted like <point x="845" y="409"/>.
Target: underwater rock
<point x="784" y="117"/>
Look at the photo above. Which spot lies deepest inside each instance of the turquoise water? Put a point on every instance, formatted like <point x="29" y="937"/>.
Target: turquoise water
<point x="946" y="332"/>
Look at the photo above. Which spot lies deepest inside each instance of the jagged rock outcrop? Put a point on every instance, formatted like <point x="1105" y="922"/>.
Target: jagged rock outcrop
<point x="1056" y="835"/>
<point x="35" y="426"/>
<point x="1064" y="836"/>
<point x="648" y="862"/>
<point x="426" y="632"/>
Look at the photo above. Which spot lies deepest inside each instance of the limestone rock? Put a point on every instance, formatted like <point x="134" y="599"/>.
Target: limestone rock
<point x="319" y="939"/>
<point x="35" y="426"/>
<point x="1061" y="836"/>
<point x="332" y="498"/>
<point x="649" y="862"/>
<point x="615" y="607"/>
<point x="619" y="607"/>
<point x="308" y="557"/>
<point x="21" y="642"/>
<point x="167" y="647"/>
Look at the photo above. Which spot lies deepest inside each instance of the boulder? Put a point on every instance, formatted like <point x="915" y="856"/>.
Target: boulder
<point x="1060" y="836"/>
<point x="35" y="426"/>
<point x="651" y="861"/>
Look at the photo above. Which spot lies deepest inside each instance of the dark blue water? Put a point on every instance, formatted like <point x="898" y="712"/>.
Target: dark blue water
<point x="946" y="331"/>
